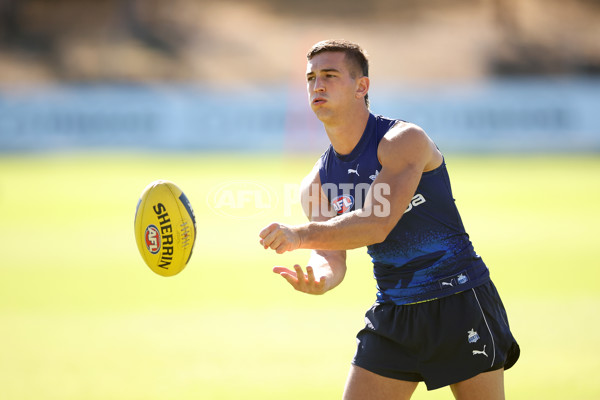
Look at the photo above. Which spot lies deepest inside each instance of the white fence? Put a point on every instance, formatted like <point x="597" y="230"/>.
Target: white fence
<point x="507" y="116"/>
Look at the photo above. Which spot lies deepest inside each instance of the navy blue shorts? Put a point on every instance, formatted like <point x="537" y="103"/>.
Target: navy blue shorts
<point x="440" y="342"/>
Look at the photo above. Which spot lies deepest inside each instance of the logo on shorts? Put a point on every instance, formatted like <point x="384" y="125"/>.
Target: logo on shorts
<point x="152" y="237"/>
<point x="475" y="352"/>
<point x="462" y="279"/>
<point x="473" y="336"/>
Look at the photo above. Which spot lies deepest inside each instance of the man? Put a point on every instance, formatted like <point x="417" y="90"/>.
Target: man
<point x="383" y="184"/>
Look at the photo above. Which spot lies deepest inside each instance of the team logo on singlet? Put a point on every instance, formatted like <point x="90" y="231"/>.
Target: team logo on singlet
<point x="452" y="281"/>
<point x="342" y="204"/>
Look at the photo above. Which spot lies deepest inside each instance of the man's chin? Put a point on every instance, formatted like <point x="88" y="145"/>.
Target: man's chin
<point x="322" y="113"/>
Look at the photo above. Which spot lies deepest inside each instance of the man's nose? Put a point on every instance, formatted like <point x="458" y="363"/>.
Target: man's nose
<point x="319" y="85"/>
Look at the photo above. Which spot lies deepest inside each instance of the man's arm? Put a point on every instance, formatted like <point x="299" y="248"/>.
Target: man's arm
<point x="405" y="153"/>
<point x="326" y="268"/>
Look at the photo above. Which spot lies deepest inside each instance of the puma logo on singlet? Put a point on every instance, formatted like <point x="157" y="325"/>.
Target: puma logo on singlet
<point x="475" y="352"/>
<point x="353" y="171"/>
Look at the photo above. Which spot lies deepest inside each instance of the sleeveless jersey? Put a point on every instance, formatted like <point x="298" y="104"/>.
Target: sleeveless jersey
<point x="428" y="254"/>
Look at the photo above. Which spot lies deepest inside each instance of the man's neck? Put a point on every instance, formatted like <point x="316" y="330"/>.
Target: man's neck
<point x="345" y="133"/>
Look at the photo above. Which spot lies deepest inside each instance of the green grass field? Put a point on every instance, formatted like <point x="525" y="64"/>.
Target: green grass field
<point x="81" y="316"/>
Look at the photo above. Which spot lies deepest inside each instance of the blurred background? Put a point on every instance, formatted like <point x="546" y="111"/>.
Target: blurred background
<point x="477" y="74"/>
<point x="99" y="98"/>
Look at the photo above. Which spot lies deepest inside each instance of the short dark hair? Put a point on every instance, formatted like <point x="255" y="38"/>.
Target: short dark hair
<point x="353" y="52"/>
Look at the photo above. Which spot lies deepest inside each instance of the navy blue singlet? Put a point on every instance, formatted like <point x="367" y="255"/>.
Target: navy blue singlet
<point x="428" y="254"/>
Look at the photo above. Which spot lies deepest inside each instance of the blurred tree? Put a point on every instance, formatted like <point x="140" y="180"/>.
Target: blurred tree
<point x="505" y="17"/>
<point x="517" y="52"/>
<point x="9" y="20"/>
<point x="14" y="33"/>
<point x="142" y="30"/>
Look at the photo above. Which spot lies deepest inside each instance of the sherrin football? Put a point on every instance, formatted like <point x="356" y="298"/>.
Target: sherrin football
<point x="165" y="228"/>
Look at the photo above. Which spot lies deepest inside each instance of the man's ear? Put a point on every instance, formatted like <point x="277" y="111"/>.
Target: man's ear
<point x="362" y="87"/>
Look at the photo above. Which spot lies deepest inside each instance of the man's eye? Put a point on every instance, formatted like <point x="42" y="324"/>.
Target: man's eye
<point x="310" y="78"/>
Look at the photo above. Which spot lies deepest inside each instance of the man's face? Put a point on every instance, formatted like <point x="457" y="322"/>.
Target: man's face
<point x="331" y="89"/>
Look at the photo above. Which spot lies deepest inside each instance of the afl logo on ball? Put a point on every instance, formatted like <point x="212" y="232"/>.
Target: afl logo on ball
<point x="152" y="236"/>
<point x="342" y="204"/>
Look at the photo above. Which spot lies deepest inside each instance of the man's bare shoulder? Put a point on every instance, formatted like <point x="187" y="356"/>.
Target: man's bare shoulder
<point x="408" y="143"/>
<point x="405" y="131"/>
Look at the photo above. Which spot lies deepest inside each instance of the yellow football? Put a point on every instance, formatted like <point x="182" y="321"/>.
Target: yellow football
<point x="165" y="228"/>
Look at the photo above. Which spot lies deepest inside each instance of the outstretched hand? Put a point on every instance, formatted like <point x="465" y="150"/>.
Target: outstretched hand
<point x="302" y="282"/>
<point x="280" y="238"/>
